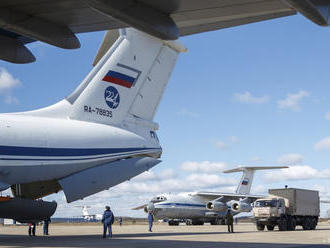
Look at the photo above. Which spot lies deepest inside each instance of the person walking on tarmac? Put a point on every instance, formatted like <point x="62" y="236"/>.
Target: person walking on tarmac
<point x="46" y="225"/>
<point x="230" y="221"/>
<point x="107" y="219"/>
<point x="32" y="229"/>
<point x="150" y="220"/>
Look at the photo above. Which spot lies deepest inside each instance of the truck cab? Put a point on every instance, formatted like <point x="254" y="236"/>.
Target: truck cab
<point x="269" y="207"/>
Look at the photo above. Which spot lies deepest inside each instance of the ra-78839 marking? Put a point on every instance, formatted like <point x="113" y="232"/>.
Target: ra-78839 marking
<point x="98" y="111"/>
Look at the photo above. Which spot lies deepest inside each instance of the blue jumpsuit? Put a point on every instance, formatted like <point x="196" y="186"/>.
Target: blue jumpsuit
<point x="46" y="224"/>
<point x="107" y="221"/>
<point x="150" y="220"/>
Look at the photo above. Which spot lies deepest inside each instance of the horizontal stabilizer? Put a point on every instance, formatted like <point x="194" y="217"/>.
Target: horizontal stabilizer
<point x="96" y="179"/>
<point x="245" y="168"/>
<point x="245" y="183"/>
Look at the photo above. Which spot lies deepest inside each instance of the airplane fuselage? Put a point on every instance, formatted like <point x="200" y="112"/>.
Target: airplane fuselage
<point x="40" y="148"/>
<point x="185" y="206"/>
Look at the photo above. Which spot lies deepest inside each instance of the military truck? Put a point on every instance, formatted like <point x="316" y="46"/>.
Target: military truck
<point x="287" y="208"/>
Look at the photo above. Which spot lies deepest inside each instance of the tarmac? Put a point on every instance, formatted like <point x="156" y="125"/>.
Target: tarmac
<point x="89" y="235"/>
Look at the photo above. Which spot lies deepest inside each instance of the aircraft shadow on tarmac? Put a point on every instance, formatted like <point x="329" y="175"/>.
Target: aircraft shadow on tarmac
<point x="127" y="240"/>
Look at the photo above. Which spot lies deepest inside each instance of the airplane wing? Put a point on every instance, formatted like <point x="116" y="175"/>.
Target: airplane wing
<point x="140" y="207"/>
<point x="228" y="196"/>
<point x="57" y="22"/>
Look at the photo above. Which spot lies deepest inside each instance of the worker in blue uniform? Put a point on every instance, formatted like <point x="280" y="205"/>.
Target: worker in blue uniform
<point x="150" y="220"/>
<point x="107" y="220"/>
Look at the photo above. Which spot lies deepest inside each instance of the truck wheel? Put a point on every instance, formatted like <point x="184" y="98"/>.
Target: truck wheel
<point x="260" y="227"/>
<point x="283" y="225"/>
<point x="314" y="223"/>
<point x="270" y="227"/>
<point x="173" y="223"/>
<point x="307" y="225"/>
<point x="291" y="224"/>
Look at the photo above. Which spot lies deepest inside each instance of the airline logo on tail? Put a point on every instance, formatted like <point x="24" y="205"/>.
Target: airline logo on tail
<point x="111" y="96"/>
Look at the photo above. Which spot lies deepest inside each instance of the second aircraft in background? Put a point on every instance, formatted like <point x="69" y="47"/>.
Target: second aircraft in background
<point x="198" y="207"/>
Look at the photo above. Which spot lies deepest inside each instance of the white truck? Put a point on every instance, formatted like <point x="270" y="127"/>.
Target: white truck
<point x="287" y="208"/>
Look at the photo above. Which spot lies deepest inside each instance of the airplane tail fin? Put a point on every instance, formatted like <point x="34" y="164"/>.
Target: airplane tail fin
<point x="245" y="183"/>
<point x="128" y="80"/>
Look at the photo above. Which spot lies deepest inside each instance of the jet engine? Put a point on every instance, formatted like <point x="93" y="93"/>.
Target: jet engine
<point x="216" y="206"/>
<point x="240" y="206"/>
<point x="26" y="210"/>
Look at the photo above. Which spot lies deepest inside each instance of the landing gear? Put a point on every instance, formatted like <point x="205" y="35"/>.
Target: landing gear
<point x="173" y="223"/>
<point x="197" y="222"/>
<point x="216" y="221"/>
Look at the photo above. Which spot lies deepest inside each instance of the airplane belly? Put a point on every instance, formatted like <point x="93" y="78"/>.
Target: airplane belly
<point x="180" y="211"/>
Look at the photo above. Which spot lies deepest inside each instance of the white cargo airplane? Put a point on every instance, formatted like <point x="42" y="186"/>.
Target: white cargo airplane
<point x="99" y="136"/>
<point x="198" y="207"/>
<point x="87" y="216"/>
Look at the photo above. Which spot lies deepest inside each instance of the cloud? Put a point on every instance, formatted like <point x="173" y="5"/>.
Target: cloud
<point x="7" y="84"/>
<point x="297" y="172"/>
<point x="204" y="166"/>
<point x="327" y="116"/>
<point x="233" y="139"/>
<point x="323" y="144"/>
<point x="292" y="101"/>
<point x="291" y="159"/>
<point x="247" y="98"/>
<point x="221" y="145"/>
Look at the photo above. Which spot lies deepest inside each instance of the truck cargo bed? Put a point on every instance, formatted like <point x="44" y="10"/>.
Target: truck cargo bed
<point x="301" y="202"/>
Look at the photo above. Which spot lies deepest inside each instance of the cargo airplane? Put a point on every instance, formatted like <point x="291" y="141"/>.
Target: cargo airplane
<point x="103" y="133"/>
<point x="99" y="136"/>
<point x="198" y="207"/>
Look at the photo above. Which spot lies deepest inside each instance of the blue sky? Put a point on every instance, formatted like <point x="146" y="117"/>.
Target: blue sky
<point x="256" y="94"/>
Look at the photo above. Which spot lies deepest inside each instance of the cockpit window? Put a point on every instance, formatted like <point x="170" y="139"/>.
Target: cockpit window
<point x="159" y="199"/>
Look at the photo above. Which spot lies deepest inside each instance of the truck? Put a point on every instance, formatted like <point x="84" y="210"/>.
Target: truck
<point x="287" y="208"/>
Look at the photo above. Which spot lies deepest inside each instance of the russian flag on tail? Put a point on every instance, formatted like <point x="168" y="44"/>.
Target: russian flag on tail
<point x="119" y="78"/>
<point x="245" y="181"/>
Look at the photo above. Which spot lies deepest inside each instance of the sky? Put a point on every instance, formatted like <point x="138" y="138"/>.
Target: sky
<point x="257" y="94"/>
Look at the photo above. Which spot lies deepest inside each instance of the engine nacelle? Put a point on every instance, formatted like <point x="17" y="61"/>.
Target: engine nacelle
<point x="26" y="210"/>
<point x="241" y="206"/>
<point x="216" y="206"/>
